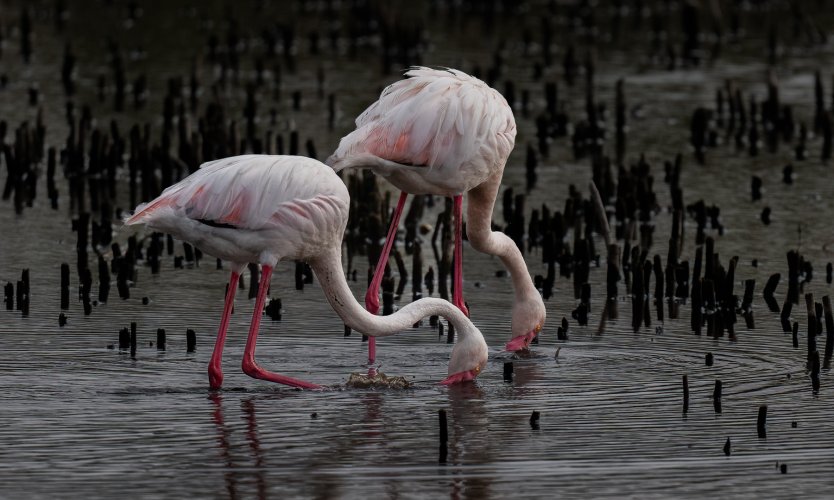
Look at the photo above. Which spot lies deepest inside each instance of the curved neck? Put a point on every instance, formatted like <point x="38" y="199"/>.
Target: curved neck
<point x="328" y="269"/>
<point x="481" y="201"/>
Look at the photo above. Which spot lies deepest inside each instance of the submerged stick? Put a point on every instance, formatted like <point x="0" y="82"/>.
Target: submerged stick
<point x="761" y="422"/>
<point x="444" y="435"/>
<point x="534" y="420"/>
<point x="767" y="293"/>
<point x="829" y="332"/>
<point x="191" y="340"/>
<point x="599" y="207"/>
<point x="160" y="339"/>
<point x="716" y="396"/>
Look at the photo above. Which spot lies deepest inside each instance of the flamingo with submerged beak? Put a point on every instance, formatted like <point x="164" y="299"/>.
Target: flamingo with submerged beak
<point x="259" y="208"/>
<point x="443" y="132"/>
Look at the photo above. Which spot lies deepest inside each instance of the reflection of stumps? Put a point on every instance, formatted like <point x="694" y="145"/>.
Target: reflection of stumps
<point x="696" y="319"/>
<point x="795" y="335"/>
<point x="103" y="280"/>
<point x="444" y="436"/>
<point x="785" y="316"/>
<point x="826" y="137"/>
<point x="708" y="297"/>
<point x="65" y="278"/>
<point x="716" y="396"/>
<point x="153" y="253"/>
<point x="86" y="286"/>
<point x="761" y="422"/>
<point x="23" y="292"/>
<point x="829" y="332"/>
<point x="562" y="331"/>
<point x="657" y="267"/>
<point x="815" y="372"/>
<point x="160" y="339"/>
<point x="428" y="280"/>
<point x="508" y="371"/>
<point x="727" y="447"/>
<point x="124" y="339"/>
<point x="8" y="296"/>
<point x="746" y="303"/>
<point x="534" y="420"/>
<point x="800" y="152"/>
<point x="133" y="339"/>
<point x="765" y="216"/>
<point x="637" y="295"/>
<point x="121" y="280"/>
<point x="793" y="277"/>
<point x="191" y="340"/>
<point x="756" y="188"/>
<point x="812" y="328"/>
<point x="580" y="314"/>
<point x="685" y="394"/>
<point x="401" y="270"/>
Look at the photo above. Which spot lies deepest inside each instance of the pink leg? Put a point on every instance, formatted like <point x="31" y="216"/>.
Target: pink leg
<point x="215" y="369"/>
<point x="457" y="272"/>
<point x="250" y="367"/>
<point x="372" y="295"/>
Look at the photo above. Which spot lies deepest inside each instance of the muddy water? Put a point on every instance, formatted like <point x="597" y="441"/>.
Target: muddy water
<point x="81" y="419"/>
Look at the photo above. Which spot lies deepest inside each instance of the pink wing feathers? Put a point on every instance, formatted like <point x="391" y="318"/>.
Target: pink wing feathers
<point x="435" y="118"/>
<point x="252" y="192"/>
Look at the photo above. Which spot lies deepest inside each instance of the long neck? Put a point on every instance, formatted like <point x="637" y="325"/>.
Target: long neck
<point x="328" y="269"/>
<point x="481" y="201"/>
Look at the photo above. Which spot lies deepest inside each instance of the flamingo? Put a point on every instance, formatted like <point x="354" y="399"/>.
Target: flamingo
<point x="260" y="208"/>
<point x="443" y="132"/>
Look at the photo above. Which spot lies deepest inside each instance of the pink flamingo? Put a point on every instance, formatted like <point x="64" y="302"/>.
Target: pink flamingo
<point x="446" y="133"/>
<point x="258" y="208"/>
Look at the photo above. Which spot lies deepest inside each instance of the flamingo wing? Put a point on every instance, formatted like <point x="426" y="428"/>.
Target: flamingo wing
<point x="434" y="118"/>
<point x="251" y="192"/>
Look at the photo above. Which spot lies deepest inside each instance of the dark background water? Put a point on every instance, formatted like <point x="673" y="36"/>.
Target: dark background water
<point x="82" y="420"/>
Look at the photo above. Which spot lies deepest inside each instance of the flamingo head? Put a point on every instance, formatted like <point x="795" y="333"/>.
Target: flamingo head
<point x="469" y="357"/>
<point x="528" y="321"/>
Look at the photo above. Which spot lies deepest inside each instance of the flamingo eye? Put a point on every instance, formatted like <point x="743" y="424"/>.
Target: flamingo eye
<point x="538" y="328"/>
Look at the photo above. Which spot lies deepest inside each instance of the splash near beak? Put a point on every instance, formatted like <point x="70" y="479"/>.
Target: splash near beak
<point x="521" y="342"/>
<point x="461" y="377"/>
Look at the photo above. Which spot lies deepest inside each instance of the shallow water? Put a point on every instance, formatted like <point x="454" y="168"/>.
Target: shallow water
<point x="85" y="420"/>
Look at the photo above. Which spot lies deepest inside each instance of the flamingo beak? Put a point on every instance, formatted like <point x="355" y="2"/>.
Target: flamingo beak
<point x="458" y="377"/>
<point x="522" y="341"/>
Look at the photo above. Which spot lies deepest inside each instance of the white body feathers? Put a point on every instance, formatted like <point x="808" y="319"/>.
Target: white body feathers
<point x="436" y="132"/>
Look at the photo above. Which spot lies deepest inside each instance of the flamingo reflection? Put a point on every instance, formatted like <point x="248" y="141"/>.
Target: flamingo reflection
<point x="223" y="434"/>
